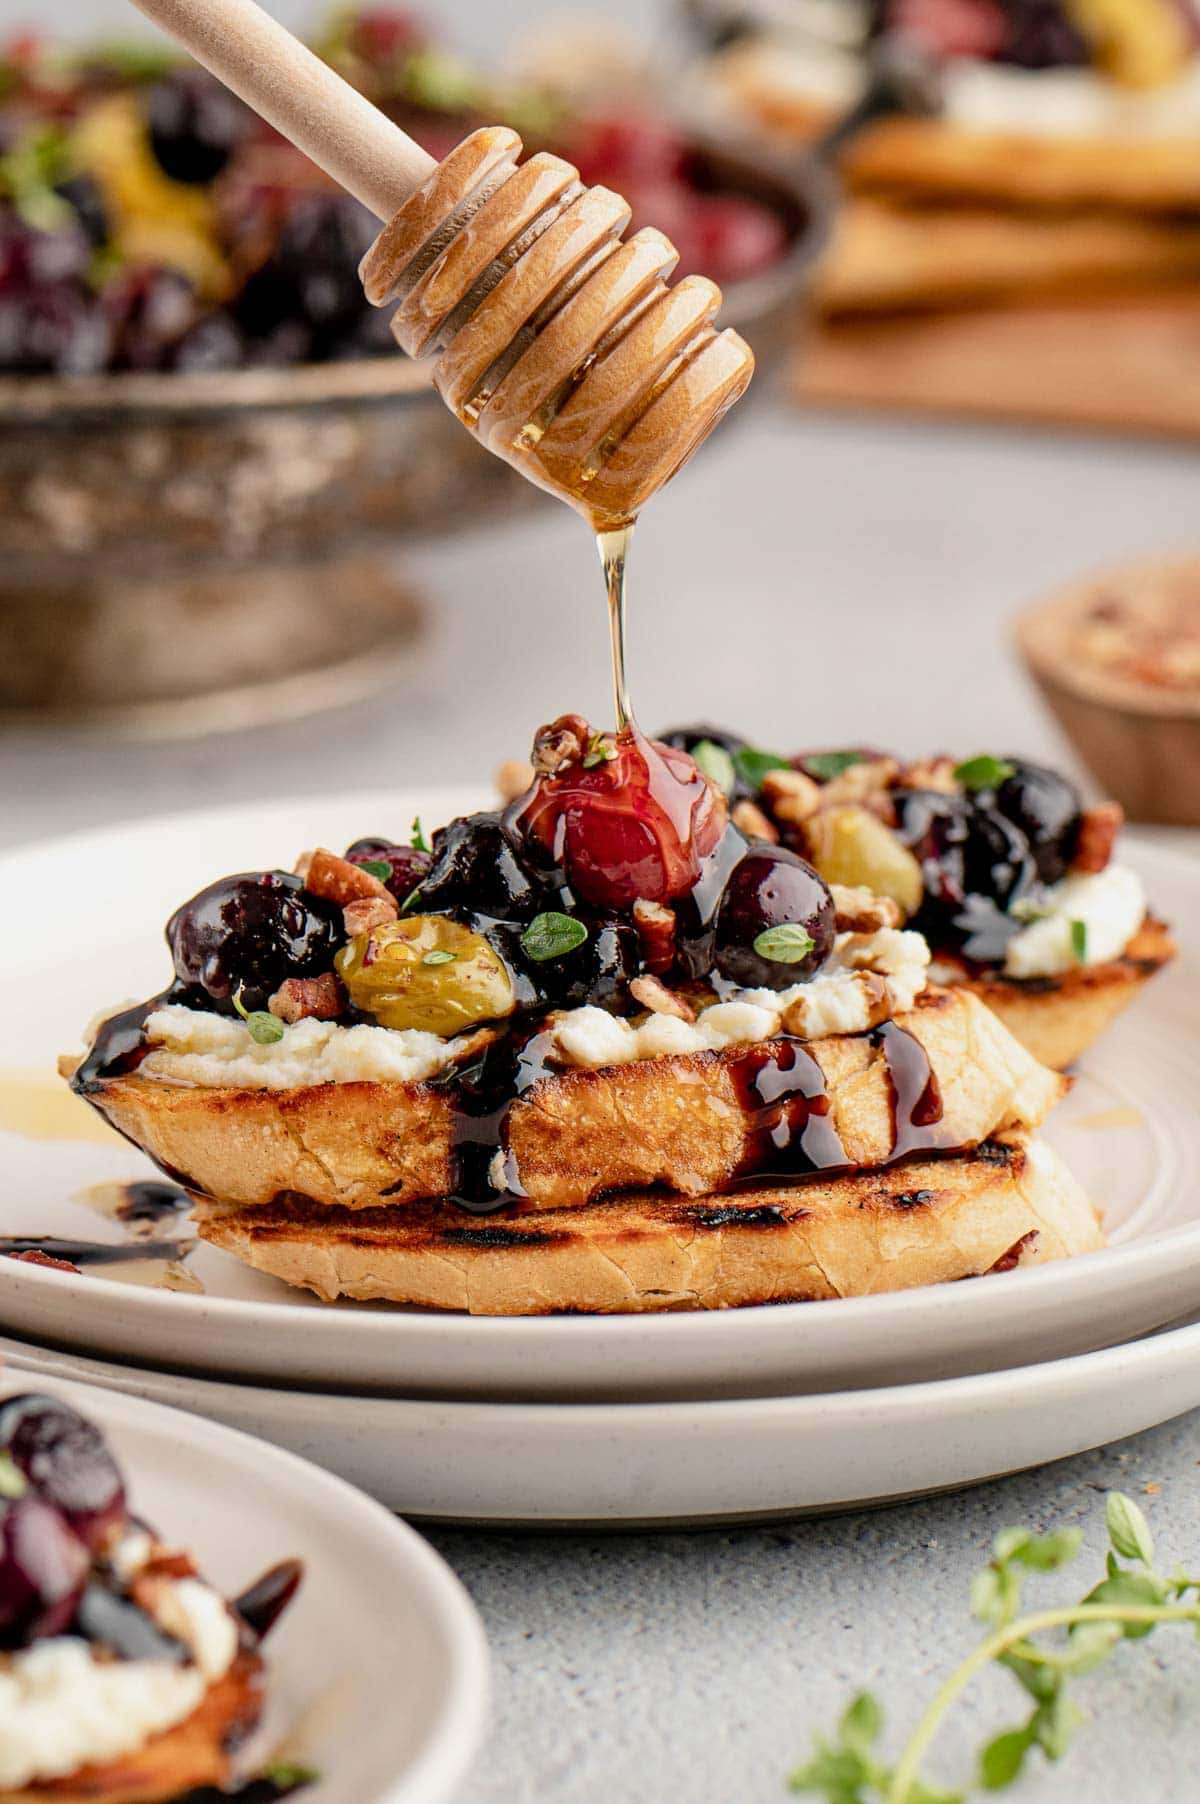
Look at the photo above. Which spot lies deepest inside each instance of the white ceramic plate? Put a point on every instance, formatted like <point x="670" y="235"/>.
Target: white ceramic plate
<point x="1130" y="1131"/>
<point x="649" y="1464"/>
<point x="379" y="1670"/>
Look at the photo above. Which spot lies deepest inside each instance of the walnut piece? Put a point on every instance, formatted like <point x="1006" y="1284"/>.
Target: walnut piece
<point x="366" y="912"/>
<point x="791" y="796"/>
<point x="513" y="778"/>
<point x="653" y="994"/>
<point x="1098" y="829"/>
<point x="749" y="819"/>
<point x="564" y="741"/>
<point x="655" y="924"/>
<point x="337" y="880"/>
<point x="860" y="910"/>
<point x="297" y="998"/>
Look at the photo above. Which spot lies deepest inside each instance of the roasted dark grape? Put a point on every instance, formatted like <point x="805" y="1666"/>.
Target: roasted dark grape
<point x="974" y="865"/>
<point x="1041" y="35"/>
<point x="151" y="310"/>
<point x="696" y="913"/>
<point x="476" y="866"/>
<point x="196" y="124"/>
<point x="1046" y="808"/>
<point x="772" y="887"/>
<point x="242" y="936"/>
<point x="66" y="1460"/>
<point x="53" y="329"/>
<point x="43" y="1567"/>
<point x="597" y="972"/>
<point x="311" y="277"/>
<point x="408" y="864"/>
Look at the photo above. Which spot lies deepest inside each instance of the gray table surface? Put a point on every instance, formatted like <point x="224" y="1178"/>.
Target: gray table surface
<point x="855" y="579"/>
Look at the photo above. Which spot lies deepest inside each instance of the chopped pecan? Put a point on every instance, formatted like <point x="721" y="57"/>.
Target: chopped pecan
<point x="1016" y="1252"/>
<point x="322" y="998"/>
<point x="655" y="924"/>
<point x="513" y="778"/>
<point x="1098" y="829"/>
<point x="859" y="910"/>
<point x="564" y="741"/>
<point x="790" y="795"/>
<point x="749" y="819"/>
<point x="337" y="880"/>
<point x="367" y="912"/>
<point x="653" y="994"/>
<point x="931" y="773"/>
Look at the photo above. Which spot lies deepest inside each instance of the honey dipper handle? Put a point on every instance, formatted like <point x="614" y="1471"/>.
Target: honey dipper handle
<point x="299" y="95"/>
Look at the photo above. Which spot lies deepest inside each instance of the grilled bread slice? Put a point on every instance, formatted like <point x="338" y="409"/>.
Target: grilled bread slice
<point x="195" y="1753"/>
<point x="1058" y="1018"/>
<point x="923" y="1221"/>
<point x="676" y="1122"/>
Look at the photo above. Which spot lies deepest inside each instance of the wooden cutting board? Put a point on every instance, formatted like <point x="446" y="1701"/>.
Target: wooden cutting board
<point x="1130" y="365"/>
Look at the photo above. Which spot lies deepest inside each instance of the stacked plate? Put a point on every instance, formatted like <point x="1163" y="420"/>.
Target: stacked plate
<point x="617" y="1420"/>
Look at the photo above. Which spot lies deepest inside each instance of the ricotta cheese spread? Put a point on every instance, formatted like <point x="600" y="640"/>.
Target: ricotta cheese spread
<point x="864" y="973"/>
<point x="1109" y="905"/>
<point x="211" y="1051"/>
<point x="62" y="1708"/>
<point x="838" y="1000"/>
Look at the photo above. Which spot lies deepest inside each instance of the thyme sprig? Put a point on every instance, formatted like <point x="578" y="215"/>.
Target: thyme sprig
<point x="1127" y="1604"/>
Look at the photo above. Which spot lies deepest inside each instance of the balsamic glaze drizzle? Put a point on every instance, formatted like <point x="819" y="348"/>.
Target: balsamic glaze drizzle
<point x="482" y="1095"/>
<point x="120" y="1624"/>
<point x="916" y="1098"/>
<point x="95" y="1252"/>
<point x="120" y="1046"/>
<point x="262" y="1604"/>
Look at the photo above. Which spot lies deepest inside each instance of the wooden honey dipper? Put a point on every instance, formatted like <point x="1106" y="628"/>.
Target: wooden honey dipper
<point x="557" y="342"/>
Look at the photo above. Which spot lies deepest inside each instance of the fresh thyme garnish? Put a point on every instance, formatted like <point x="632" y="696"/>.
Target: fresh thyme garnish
<point x="410" y="899"/>
<point x="784" y="945"/>
<point x="984" y="772"/>
<point x="551" y="935"/>
<point x="439" y="956"/>
<point x="377" y="868"/>
<point x="286" y="1776"/>
<point x="1079" y="940"/>
<point x="752" y="766"/>
<point x="418" y="841"/>
<point x="716" y="764"/>
<point x="601" y="749"/>
<point x="1127" y="1604"/>
<point x="825" y="766"/>
<point x="264" y="1028"/>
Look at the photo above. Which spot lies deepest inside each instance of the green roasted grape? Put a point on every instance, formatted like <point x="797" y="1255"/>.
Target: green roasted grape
<point x="427" y="972"/>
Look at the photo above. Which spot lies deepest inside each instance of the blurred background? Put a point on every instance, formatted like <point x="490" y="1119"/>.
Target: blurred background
<point x="245" y="552"/>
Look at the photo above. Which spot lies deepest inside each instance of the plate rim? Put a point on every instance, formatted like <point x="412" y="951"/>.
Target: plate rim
<point x="459" y="1727"/>
<point x="1036" y="1285"/>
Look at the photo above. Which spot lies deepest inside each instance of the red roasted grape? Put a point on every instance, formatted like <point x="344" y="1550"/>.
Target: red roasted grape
<point x="67" y="1462"/>
<point x="43" y="1567"/>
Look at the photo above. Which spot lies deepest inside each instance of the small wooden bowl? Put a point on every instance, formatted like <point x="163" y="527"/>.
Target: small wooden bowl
<point x="1140" y="740"/>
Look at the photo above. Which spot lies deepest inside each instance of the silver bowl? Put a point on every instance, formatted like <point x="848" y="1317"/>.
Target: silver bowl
<point x="181" y="553"/>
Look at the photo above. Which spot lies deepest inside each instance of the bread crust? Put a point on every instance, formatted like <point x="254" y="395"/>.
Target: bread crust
<point x="922" y="1221"/>
<point x="1058" y="1018"/>
<point x="675" y="1122"/>
<point x="193" y="1754"/>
